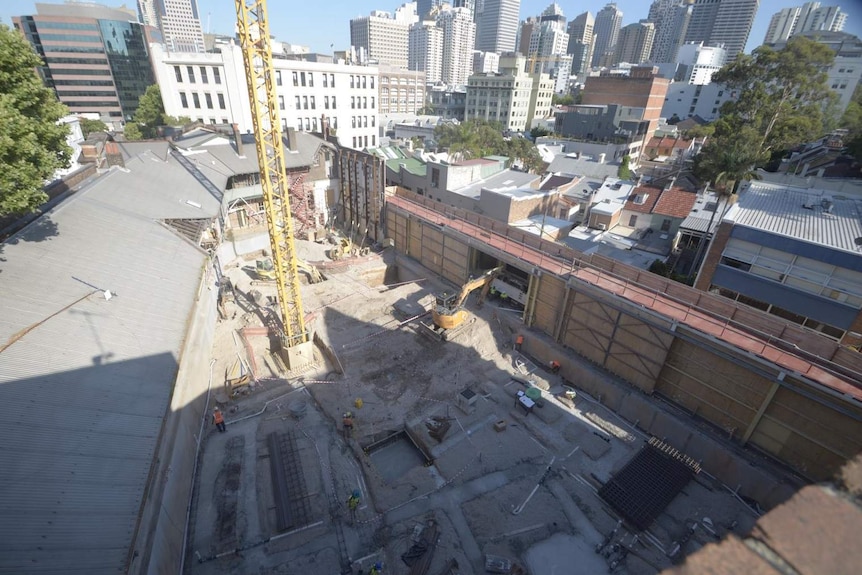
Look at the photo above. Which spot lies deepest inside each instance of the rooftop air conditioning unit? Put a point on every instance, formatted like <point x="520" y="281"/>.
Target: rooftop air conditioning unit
<point x="602" y="227"/>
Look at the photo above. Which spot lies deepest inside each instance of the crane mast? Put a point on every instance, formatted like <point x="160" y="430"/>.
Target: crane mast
<point x="253" y="25"/>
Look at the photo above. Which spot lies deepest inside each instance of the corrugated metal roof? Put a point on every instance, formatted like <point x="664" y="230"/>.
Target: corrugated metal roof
<point x="84" y="392"/>
<point x="780" y="210"/>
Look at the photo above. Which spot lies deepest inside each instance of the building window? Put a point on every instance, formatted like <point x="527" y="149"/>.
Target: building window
<point x="298" y="103"/>
<point x="373" y="120"/>
<point x="204" y="78"/>
<point x="302" y="78"/>
<point x="665" y="225"/>
<point x="372" y="83"/>
<point x="191" y="73"/>
<point x="307" y="125"/>
<point x="296" y="81"/>
<point x="352" y="102"/>
<point x="326" y="100"/>
<point x="313" y="107"/>
<point x="353" y="121"/>
<point x="314" y="124"/>
<point x="365" y="102"/>
<point x="335" y="122"/>
<point x="209" y="99"/>
<point x="366" y="141"/>
<point x="735" y="263"/>
<point x="373" y="138"/>
<point x="365" y="121"/>
<point x="354" y="141"/>
<point x="221" y="101"/>
<point x="435" y="177"/>
<point x="325" y="82"/>
<point x="363" y="82"/>
<point x="351" y="81"/>
<point x="311" y="79"/>
<point x="332" y="82"/>
<point x="196" y="99"/>
<point x="299" y="123"/>
<point x="333" y="102"/>
<point x="217" y="75"/>
<point x="281" y="102"/>
<point x="178" y="73"/>
<point x="305" y="102"/>
<point x="372" y="101"/>
<point x="184" y="100"/>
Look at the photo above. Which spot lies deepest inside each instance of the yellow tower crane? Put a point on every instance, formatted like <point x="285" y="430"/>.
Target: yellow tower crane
<point x="253" y="24"/>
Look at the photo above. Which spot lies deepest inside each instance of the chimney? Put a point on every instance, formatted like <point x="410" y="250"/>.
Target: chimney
<point x="324" y="125"/>
<point x="237" y="137"/>
<point x="291" y="139"/>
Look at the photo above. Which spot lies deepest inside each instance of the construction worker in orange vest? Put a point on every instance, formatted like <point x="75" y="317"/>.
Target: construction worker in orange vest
<point x="218" y="419"/>
<point x="555" y="366"/>
<point x="519" y="341"/>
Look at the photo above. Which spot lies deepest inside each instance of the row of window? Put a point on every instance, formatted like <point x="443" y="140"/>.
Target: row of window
<point x="83" y="82"/>
<point x="74" y="49"/>
<point x="190" y="73"/>
<point x="361" y="81"/>
<point x="307" y="79"/>
<point x="70" y="38"/>
<point x="66" y="26"/>
<point x="196" y="100"/>
<point x="362" y="141"/>
<point x="85" y="61"/>
<point x="80" y="72"/>
<point x="810" y="323"/>
<point x="309" y="102"/>
<point x="394" y="81"/>
<point x="362" y="121"/>
<point x="85" y="93"/>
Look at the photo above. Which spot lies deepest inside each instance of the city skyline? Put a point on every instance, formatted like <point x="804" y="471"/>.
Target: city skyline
<point x="218" y="16"/>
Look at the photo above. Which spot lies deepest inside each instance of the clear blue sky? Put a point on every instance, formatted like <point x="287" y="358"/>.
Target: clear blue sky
<point x="327" y="22"/>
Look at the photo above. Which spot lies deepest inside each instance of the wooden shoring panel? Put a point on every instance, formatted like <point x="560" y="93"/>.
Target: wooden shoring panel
<point x="549" y="301"/>
<point x="431" y="255"/>
<point x="808" y="433"/>
<point x="455" y="256"/>
<point x="637" y="352"/>
<point x="456" y="249"/>
<point x="579" y="333"/>
<point x="399" y="232"/>
<point x="722" y="392"/>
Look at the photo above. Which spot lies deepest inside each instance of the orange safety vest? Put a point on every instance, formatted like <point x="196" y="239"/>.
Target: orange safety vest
<point x="519" y="340"/>
<point x="217" y="417"/>
<point x="554" y="364"/>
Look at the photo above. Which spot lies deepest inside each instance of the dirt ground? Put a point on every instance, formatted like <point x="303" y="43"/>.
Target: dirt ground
<point x="526" y="493"/>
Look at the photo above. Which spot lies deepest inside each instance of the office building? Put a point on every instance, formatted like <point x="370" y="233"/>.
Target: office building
<point x="549" y="37"/>
<point x="697" y="63"/>
<point x="581" y="41"/>
<point x="485" y="62"/>
<point x="96" y="58"/>
<point x="459" y="35"/>
<point x="809" y="17"/>
<point x="425" y="50"/>
<point x="685" y="100"/>
<point x="671" y="18"/>
<point x="496" y="25"/>
<point x="400" y="91"/>
<point x="180" y="24"/>
<point x="634" y="43"/>
<point x="384" y="37"/>
<point x="722" y="22"/>
<point x="211" y="88"/>
<point x="606" y="31"/>
<point x="147" y="12"/>
<point x="792" y="252"/>
<point x="502" y="97"/>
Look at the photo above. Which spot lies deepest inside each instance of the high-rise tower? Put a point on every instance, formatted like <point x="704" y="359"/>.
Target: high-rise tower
<point x="496" y="25"/>
<point x="581" y="42"/>
<point x="810" y="17"/>
<point x="634" y="43"/>
<point x="722" y="22"/>
<point x="459" y="35"/>
<point x="609" y="20"/>
<point x="180" y="25"/>
<point x="671" y="18"/>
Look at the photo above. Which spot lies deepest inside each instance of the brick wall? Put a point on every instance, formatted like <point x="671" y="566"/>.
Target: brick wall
<point x="713" y="256"/>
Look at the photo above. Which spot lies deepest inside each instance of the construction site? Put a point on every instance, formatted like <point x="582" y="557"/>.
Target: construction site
<point x="270" y="376"/>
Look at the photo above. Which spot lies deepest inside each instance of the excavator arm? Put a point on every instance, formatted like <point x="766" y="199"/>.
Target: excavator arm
<point x="483" y="281"/>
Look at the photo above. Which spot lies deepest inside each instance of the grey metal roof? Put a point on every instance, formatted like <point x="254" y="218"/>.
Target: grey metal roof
<point x="500" y="182"/>
<point x="780" y="210"/>
<point x="582" y="167"/>
<point x="86" y="387"/>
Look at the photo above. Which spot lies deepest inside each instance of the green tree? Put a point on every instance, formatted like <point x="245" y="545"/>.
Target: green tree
<point x="538" y="132"/>
<point x="562" y="100"/>
<point x="471" y="139"/>
<point x="32" y="144"/>
<point x="781" y="94"/>
<point x="149" y="115"/>
<point x="132" y="132"/>
<point x="89" y="126"/>
<point x="624" y="172"/>
<point x="699" y="131"/>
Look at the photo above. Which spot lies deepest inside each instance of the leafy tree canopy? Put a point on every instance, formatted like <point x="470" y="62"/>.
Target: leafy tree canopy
<point x="781" y="94"/>
<point x="149" y="116"/>
<point x="89" y="126"/>
<point x="479" y="138"/>
<point x="562" y="100"/>
<point x="624" y="172"/>
<point x="32" y="144"/>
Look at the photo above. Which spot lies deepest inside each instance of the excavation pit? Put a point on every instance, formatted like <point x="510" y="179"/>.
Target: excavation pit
<point x="395" y="455"/>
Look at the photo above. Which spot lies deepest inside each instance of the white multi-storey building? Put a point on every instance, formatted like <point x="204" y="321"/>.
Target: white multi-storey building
<point x="686" y="100"/>
<point x="180" y="25"/>
<point x="484" y="62"/>
<point x="503" y="97"/>
<point x="211" y="87"/>
<point x="722" y="22"/>
<point x="147" y="13"/>
<point x="671" y="18"/>
<point x="697" y="63"/>
<point x="810" y="17"/>
<point x="581" y="42"/>
<point x="496" y="25"/>
<point x="384" y="37"/>
<point x="459" y="35"/>
<point x="425" y="52"/>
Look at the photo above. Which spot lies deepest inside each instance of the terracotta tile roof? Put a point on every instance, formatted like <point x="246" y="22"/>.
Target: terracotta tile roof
<point x="816" y="531"/>
<point x="675" y="202"/>
<point x="646" y="207"/>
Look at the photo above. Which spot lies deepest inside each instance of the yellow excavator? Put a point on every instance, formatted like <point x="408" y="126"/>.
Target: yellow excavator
<point x="450" y="317"/>
<point x="265" y="270"/>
